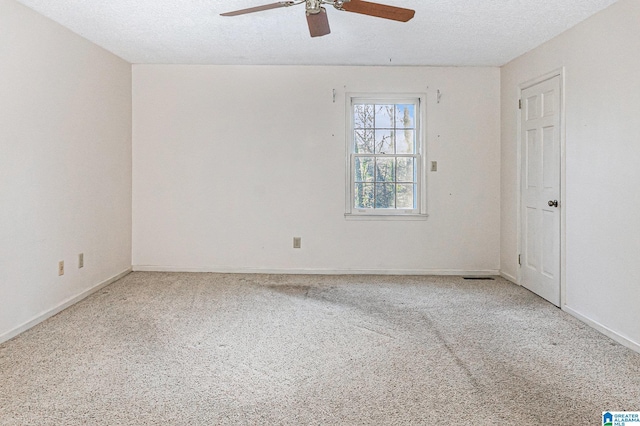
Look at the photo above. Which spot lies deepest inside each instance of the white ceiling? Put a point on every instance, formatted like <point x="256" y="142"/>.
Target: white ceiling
<point x="443" y="32"/>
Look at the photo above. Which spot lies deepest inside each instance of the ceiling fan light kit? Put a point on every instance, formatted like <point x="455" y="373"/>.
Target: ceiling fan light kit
<point x="317" y="19"/>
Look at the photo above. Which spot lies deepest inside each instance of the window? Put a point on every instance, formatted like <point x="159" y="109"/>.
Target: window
<point x="385" y="163"/>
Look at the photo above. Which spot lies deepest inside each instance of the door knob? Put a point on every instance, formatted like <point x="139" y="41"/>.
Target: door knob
<point x="553" y="203"/>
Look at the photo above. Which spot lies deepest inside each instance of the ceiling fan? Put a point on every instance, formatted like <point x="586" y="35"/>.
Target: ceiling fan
<point x="317" y="15"/>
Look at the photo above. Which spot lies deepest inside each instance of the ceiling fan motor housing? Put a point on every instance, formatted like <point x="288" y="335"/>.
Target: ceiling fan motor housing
<point x="313" y="6"/>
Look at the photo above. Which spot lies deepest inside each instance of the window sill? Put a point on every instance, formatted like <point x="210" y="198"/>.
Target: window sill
<point x="385" y="217"/>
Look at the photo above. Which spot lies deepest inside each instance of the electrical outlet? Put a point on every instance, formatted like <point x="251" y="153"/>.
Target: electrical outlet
<point x="434" y="166"/>
<point x="61" y="268"/>
<point x="297" y="242"/>
<point x="81" y="260"/>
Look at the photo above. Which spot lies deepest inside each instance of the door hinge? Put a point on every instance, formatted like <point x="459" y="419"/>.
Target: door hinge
<point x="519" y="103"/>
<point x="520" y="260"/>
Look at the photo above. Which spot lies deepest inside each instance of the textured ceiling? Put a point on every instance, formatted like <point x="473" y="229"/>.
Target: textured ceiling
<point x="443" y="32"/>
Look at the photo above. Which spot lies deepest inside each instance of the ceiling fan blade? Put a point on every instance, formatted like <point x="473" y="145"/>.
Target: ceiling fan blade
<point x="379" y="10"/>
<point x="257" y="8"/>
<point x="318" y="23"/>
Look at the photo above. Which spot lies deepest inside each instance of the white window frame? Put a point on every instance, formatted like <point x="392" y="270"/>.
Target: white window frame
<point x="418" y="213"/>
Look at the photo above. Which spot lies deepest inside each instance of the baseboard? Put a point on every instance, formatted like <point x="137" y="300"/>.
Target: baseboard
<point x="317" y="271"/>
<point x="635" y="346"/>
<point x="61" y="307"/>
<point x="509" y="277"/>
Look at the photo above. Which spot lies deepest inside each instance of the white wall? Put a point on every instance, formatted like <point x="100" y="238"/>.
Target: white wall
<point x="65" y="166"/>
<point x="231" y="162"/>
<point x="601" y="57"/>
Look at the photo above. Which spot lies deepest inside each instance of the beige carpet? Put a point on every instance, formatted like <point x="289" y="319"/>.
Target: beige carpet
<point x="215" y="349"/>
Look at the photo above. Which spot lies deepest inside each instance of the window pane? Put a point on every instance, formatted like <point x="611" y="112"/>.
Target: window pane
<point x="364" y="141"/>
<point x="405" y="116"/>
<point x="384" y="116"/>
<point x="364" y="169"/>
<point x="404" y="170"/>
<point x="384" y="142"/>
<point x="405" y="196"/>
<point x="363" y="196"/>
<point x="405" y="141"/>
<point x="363" y="116"/>
<point x="385" y="169"/>
<point x="385" y="196"/>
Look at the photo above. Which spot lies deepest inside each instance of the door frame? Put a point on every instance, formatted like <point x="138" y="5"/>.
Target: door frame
<point x="560" y="72"/>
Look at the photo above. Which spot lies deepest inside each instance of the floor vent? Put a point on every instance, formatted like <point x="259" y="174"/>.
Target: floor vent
<point x="479" y="278"/>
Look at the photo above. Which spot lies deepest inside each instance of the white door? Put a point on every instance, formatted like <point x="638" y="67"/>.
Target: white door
<point x="540" y="190"/>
